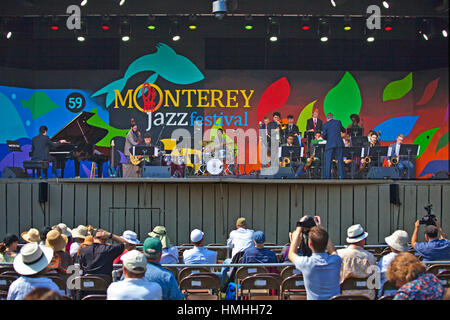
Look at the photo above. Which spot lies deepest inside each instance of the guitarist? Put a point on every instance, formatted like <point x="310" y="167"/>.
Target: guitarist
<point x="147" y="143"/>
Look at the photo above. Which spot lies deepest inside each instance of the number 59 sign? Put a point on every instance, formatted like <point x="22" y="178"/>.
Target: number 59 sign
<point x="75" y="102"/>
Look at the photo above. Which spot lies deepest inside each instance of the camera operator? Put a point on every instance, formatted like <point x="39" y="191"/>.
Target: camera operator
<point x="435" y="247"/>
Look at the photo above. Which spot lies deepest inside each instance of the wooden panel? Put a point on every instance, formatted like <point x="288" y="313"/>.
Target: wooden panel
<point x="39" y="212"/>
<point x="283" y="214"/>
<point x="196" y="208"/>
<point x="436" y="199"/>
<point x="409" y="208"/>
<point x="422" y="201"/>
<point x="322" y="204"/>
<point x="13" y="208"/>
<point x="234" y="206"/>
<point x="25" y="190"/>
<point x="296" y="205"/>
<point x="183" y="214"/>
<point x="170" y="212"/>
<point x="372" y="214"/>
<point x="221" y="200"/>
<point x="93" y="205"/>
<point x="68" y="204"/>
<point x="106" y="202"/>
<point x="445" y="222"/>
<point x="334" y="213"/>
<point x="80" y="205"/>
<point x="55" y="203"/>
<point x="270" y="212"/>
<point x="346" y="210"/>
<point x="133" y="218"/>
<point x="309" y="200"/>
<point x="383" y="212"/>
<point x="157" y="202"/>
<point x="259" y="204"/>
<point x="246" y="203"/>
<point x="208" y="209"/>
<point x="118" y="215"/>
<point x="359" y="205"/>
<point x="3" y="210"/>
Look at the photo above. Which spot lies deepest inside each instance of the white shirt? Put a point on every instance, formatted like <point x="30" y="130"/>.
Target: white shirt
<point x="134" y="289"/>
<point x="21" y="287"/>
<point x="240" y="240"/>
<point x="199" y="255"/>
<point x="74" y="248"/>
<point x="383" y="264"/>
<point x="169" y="256"/>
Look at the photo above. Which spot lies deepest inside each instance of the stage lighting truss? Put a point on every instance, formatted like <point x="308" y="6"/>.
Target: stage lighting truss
<point x="323" y="30"/>
<point x="175" y="30"/>
<point x="273" y="29"/>
<point x="125" y="30"/>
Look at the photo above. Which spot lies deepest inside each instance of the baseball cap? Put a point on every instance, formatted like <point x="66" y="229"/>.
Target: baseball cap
<point x="152" y="246"/>
<point x="196" y="235"/>
<point x="259" y="237"/>
<point x="134" y="261"/>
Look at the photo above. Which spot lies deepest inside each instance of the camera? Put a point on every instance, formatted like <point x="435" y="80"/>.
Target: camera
<point x="307" y="223"/>
<point x="429" y="219"/>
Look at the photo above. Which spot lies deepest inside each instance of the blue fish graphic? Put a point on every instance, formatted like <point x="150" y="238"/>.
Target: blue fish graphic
<point x="165" y="62"/>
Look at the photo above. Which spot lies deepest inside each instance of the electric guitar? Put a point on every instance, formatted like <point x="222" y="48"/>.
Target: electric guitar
<point x="112" y="169"/>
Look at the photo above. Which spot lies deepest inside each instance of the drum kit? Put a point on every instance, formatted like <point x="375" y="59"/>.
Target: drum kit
<point x="215" y="163"/>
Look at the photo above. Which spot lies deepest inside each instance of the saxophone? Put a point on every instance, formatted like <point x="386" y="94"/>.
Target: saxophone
<point x="365" y="162"/>
<point x="310" y="160"/>
<point x="394" y="161"/>
<point x="286" y="161"/>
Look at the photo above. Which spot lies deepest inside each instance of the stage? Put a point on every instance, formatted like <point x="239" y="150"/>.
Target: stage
<point x="213" y="204"/>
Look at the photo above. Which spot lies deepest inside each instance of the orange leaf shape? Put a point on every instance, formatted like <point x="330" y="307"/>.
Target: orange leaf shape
<point x="429" y="92"/>
<point x="274" y="97"/>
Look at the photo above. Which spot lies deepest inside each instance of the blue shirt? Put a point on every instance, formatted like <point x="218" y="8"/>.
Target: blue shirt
<point x="199" y="255"/>
<point x="166" y="279"/>
<point x="321" y="273"/>
<point x="255" y="255"/>
<point x="134" y="289"/>
<point x="383" y="264"/>
<point x="21" y="287"/>
<point x="434" y="249"/>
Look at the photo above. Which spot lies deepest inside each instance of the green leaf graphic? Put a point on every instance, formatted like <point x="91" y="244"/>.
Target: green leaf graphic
<point x="423" y="140"/>
<point x="39" y="104"/>
<point x="304" y="116"/>
<point x="96" y="121"/>
<point x="343" y="100"/>
<point x="443" y="141"/>
<point x="398" y="89"/>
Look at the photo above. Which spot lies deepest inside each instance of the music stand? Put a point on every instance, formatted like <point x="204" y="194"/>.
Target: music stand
<point x="378" y="152"/>
<point x="13" y="146"/>
<point x="352" y="152"/>
<point x="142" y="151"/>
<point x="358" y="141"/>
<point x="355" y="132"/>
<point x="309" y="135"/>
<point x="293" y="152"/>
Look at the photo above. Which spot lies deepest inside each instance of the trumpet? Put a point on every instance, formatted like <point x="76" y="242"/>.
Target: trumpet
<point x="394" y="161"/>
<point x="365" y="162"/>
<point x="286" y="161"/>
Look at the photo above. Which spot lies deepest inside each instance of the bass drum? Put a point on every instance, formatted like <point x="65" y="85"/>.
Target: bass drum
<point x="214" y="167"/>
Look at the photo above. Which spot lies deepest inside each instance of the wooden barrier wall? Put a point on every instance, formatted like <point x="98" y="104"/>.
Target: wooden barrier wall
<point x="213" y="206"/>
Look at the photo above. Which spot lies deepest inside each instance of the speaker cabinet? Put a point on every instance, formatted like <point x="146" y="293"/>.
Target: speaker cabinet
<point x="156" y="171"/>
<point x="383" y="173"/>
<point x="394" y="194"/>
<point x="43" y="191"/>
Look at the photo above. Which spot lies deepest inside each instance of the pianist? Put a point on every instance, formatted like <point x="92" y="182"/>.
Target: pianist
<point x="40" y="148"/>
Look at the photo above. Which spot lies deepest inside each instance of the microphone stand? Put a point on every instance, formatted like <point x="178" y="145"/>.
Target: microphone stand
<point x="158" y="142"/>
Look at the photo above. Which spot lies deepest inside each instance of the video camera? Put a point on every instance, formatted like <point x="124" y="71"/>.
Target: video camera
<point x="429" y="219"/>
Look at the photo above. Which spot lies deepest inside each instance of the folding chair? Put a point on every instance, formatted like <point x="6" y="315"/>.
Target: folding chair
<point x="444" y="277"/>
<point x="388" y="297"/>
<point x="289" y="271"/>
<point x="6" y="268"/>
<point x="190" y="270"/>
<point x="105" y="277"/>
<point x="89" y="285"/>
<point x="201" y="286"/>
<point x="5" y="282"/>
<point x="438" y="268"/>
<point x="293" y="288"/>
<point x="387" y="287"/>
<point x="174" y="271"/>
<point x="221" y="252"/>
<point x="60" y="281"/>
<point x="11" y="273"/>
<point x="350" y="297"/>
<point x="354" y="284"/>
<point x="95" y="297"/>
<point x="258" y="287"/>
<point x="244" y="272"/>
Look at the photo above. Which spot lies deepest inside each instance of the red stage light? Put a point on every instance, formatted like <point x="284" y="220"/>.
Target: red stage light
<point x="388" y="28"/>
<point x="54" y="27"/>
<point x="105" y="27"/>
<point x="306" y="27"/>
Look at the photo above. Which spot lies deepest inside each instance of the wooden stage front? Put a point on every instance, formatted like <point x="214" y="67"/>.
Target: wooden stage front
<point x="214" y="204"/>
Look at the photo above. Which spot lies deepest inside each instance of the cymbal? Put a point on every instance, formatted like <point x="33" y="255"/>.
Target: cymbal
<point x="204" y="143"/>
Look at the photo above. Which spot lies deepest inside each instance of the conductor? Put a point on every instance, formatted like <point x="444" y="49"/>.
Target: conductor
<point x="332" y="130"/>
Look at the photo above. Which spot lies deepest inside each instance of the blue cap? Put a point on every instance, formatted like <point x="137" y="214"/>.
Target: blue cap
<point x="259" y="237"/>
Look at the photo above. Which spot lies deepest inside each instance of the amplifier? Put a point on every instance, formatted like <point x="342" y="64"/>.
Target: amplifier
<point x="156" y="171"/>
<point x="277" y="173"/>
<point x="383" y="173"/>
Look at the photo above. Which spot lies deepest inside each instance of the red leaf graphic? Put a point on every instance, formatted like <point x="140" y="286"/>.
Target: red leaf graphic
<point x="274" y="97"/>
<point x="429" y="92"/>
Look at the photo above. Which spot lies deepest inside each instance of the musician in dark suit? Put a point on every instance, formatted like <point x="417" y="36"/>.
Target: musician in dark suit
<point x="291" y="129"/>
<point x="40" y="148"/>
<point x="331" y="132"/>
<point x="402" y="164"/>
<point x="314" y="124"/>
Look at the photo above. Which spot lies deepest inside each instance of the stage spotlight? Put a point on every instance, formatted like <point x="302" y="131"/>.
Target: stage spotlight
<point x="9" y="35"/>
<point x="175" y="30"/>
<point x="192" y="24"/>
<point x="323" y="30"/>
<point x="83" y="3"/>
<point x="333" y="3"/>
<point x="151" y="25"/>
<point x="125" y="30"/>
<point x="306" y="24"/>
<point x="444" y="33"/>
<point x="248" y="23"/>
<point x="122" y="2"/>
<point x="370" y="35"/>
<point x="347" y="23"/>
<point x="273" y="29"/>
<point x="388" y="24"/>
<point x="81" y="34"/>
<point x="105" y="23"/>
<point x="425" y="29"/>
<point x="219" y="8"/>
<point x="386" y="4"/>
<point x="54" y="25"/>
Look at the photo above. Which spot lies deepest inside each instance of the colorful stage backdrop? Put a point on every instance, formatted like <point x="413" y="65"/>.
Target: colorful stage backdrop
<point x="178" y="93"/>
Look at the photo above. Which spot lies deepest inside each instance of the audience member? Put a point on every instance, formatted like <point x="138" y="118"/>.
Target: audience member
<point x="321" y="270"/>
<point x="31" y="235"/>
<point x="307" y="222"/>
<point x="98" y="257"/>
<point x="156" y="273"/>
<point x="241" y="238"/>
<point x="61" y="259"/>
<point x="435" y="247"/>
<point x="169" y="252"/>
<point x="43" y="234"/>
<point x="134" y="286"/>
<point x="409" y="275"/>
<point x="259" y="254"/>
<point x="42" y="294"/>
<point x="78" y="235"/>
<point x="199" y="254"/>
<point x="356" y="260"/>
<point x="397" y="242"/>
<point x="63" y="229"/>
<point x="132" y="241"/>
<point x="32" y="265"/>
<point x="87" y="242"/>
<point x="8" y="248"/>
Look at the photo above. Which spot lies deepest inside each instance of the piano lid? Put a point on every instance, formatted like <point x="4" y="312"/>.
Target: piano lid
<point x="79" y="132"/>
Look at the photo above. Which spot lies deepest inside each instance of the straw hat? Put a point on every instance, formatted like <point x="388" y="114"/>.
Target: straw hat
<point x="56" y="240"/>
<point x="356" y="233"/>
<point x="32" y="259"/>
<point x="398" y="240"/>
<point x="62" y="227"/>
<point x="80" y="232"/>
<point x="31" y="235"/>
<point x="161" y="233"/>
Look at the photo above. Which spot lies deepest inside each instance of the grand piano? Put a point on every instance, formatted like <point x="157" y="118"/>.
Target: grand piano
<point x="81" y="139"/>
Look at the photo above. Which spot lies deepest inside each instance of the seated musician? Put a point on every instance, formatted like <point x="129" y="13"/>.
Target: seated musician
<point x="402" y="164"/>
<point x="355" y="122"/>
<point x="373" y="142"/>
<point x="291" y="128"/>
<point x="318" y="136"/>
<point x="346" y="140"/>
<point x="40" y="148"/>
<point x="147" y="142"/>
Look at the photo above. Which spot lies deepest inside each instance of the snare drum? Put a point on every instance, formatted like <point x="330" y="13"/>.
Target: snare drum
<point x="222" y="154"/>
<point x="214" y="167"/>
